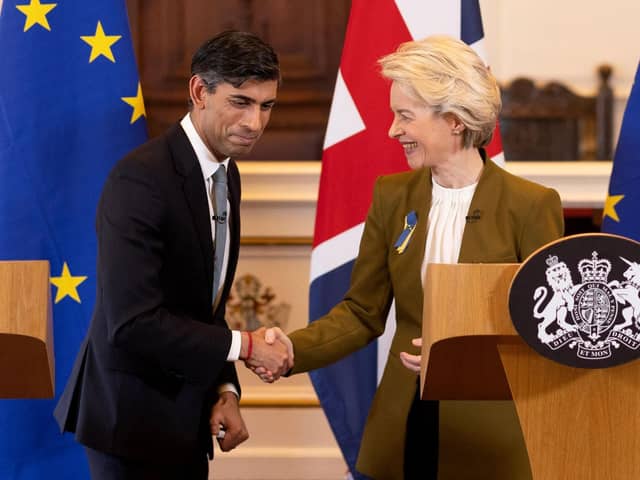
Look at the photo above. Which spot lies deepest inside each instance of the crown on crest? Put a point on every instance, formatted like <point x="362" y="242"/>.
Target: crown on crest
<point x="554" y="265"/>
<point x="552" y="260"/>
<point x="594" y="270"/>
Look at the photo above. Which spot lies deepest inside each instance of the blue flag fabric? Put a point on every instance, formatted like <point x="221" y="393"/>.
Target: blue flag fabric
<point x="621" y="207"/>
<point x="70" y="107"/>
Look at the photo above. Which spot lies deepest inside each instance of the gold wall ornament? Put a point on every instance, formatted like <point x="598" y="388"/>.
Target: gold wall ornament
<point x="250" y="306"/>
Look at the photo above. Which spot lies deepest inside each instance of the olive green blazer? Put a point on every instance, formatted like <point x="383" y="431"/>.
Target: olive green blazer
<point x="515" y="218"/>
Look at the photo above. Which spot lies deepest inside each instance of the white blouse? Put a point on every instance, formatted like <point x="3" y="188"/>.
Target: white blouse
<point x="445" y="226"/>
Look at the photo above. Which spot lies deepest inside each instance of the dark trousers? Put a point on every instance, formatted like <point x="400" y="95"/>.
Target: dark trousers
<point x="104" y="466"/>
<point x="421" y="445"/>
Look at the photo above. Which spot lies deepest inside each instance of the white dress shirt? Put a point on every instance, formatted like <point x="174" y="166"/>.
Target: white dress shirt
<point x="209" y="165"/>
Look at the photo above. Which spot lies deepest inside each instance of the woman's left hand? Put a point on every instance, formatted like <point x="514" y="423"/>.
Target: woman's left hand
<point x="412" y="362"/>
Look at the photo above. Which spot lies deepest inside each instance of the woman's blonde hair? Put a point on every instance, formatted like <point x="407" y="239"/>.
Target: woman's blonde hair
<point x="449" y="77"/>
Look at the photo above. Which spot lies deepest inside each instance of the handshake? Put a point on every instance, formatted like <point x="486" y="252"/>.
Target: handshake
<point x="267" y="352"/>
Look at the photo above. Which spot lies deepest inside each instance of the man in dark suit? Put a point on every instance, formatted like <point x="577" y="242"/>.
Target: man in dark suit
<point x="154" y="378"/>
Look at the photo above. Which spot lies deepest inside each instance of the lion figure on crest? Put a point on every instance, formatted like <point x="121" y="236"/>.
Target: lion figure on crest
<point x="561" y="302"/>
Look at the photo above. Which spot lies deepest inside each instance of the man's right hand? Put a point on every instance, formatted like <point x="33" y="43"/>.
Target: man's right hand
<point x="273" y="358"/>
<point x="271" y="336"/>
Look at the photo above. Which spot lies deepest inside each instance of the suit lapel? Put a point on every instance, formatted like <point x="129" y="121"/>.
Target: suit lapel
<point x="234" y="229"/>
<point x="187" y="165"/>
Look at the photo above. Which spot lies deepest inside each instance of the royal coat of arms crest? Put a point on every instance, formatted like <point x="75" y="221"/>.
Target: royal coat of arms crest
<point x="592" y="323"/>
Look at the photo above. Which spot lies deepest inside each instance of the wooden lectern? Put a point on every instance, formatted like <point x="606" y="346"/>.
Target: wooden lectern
<point x="577" y="423"/>
<point x="27" y="367"/>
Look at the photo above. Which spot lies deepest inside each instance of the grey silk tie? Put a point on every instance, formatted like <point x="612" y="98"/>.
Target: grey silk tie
<point x="219" y="199"/>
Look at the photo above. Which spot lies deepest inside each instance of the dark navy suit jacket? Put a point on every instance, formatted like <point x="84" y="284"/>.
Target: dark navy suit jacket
<point x="147" y="373"/>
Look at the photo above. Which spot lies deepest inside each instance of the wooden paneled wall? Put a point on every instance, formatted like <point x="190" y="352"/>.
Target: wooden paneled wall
<point x="307" y="35"/>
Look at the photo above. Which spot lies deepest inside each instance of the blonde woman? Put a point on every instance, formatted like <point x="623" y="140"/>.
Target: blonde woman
<point x="461" y="207"/>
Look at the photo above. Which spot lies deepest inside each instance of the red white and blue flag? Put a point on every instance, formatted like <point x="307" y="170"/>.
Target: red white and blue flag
<point x="356" y="151"/>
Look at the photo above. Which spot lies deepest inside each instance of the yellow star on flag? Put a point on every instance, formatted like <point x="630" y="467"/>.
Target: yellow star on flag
<point x="67" y="284"/>
<point x="137" y="103"/>
<point x="610" y="207"/>
<point x="101" y="43"/>
<point x="36" y="12"/>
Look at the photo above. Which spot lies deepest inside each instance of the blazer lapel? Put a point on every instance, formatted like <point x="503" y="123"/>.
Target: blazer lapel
<point x="420" y="199"/>
<point x="405" y="267"/>
<point x="481" y="205"/>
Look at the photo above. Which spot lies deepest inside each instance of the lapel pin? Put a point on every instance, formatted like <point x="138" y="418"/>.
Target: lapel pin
<point x="410" y="222"/>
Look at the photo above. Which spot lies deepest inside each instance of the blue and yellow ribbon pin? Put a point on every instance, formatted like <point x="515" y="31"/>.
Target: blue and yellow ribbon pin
<point x="410" y="222"/>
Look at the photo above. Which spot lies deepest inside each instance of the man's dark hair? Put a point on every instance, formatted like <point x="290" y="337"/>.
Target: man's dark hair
<point x="235" y="57"/>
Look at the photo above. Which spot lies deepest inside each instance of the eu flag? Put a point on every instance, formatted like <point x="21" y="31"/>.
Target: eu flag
<point x="70" y="106"/>
<point x="621" y="207"/>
